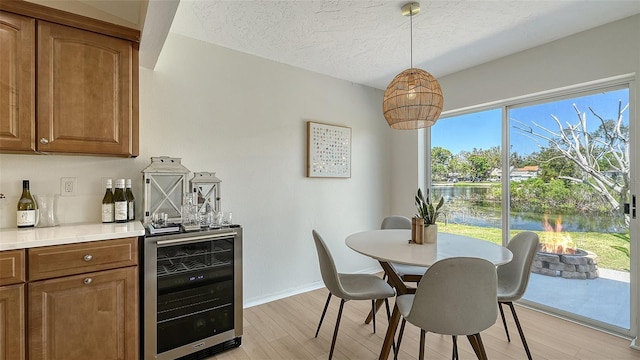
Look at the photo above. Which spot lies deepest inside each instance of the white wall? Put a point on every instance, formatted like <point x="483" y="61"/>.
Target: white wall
<point x="244" y="118"/>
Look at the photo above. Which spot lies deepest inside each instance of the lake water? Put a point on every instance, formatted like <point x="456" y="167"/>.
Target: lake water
<point x="468" y="205"/>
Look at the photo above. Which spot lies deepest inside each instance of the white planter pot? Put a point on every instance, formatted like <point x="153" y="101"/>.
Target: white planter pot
<point x="430" y="234"/>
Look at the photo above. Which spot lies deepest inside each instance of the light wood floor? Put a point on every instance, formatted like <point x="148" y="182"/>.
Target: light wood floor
<point x="285" y="329"/>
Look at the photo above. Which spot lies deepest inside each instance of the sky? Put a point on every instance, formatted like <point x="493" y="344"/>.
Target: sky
<point x="482" y="130"/>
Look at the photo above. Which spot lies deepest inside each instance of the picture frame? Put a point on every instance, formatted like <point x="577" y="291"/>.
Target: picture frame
<point x="328" y="150"/>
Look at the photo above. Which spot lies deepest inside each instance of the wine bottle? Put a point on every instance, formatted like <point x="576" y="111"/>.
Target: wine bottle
<point x="108" y="204"/>
<point x="120" y="201"/>
<point x="26" y="207"/>
<point x="131" y="202"/>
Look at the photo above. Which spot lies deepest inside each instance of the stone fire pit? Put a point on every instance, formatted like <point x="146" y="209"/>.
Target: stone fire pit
<point x="581" y="265"/>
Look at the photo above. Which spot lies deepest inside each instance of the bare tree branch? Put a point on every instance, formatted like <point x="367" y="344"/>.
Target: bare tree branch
<point x="589" y="150"/>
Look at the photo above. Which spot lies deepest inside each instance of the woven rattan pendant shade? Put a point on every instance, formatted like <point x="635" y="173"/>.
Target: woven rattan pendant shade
<point x="413" y="100"/>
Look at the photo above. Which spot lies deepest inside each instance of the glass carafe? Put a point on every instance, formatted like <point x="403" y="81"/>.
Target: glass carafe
<point x="47" y="210"/>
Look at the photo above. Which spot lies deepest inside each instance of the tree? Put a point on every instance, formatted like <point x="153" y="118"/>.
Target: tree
<point x="516" y="160"/>
<point x="459" y="166"/>
<point x="554" y="165"/>
<point x="483" y="161"/>
<point x="440" y="159"/>
<point x="607" y="146"/>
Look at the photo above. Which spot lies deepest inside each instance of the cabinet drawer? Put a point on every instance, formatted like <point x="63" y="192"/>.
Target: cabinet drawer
<point x="62" y="260"/>
<point x="11" y="267"/>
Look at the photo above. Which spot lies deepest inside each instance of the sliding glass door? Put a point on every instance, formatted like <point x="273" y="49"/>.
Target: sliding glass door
<point x="558" y="164"/>
<point x="569" y="181"/>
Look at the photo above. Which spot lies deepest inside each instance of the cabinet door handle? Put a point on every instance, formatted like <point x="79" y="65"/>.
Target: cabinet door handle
<point x="88" y="281"/>
<point x="88" y="257"/>
<point x="44" y="141"/>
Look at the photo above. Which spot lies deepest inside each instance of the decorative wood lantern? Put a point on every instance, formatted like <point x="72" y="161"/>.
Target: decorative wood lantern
<point x="165" y="184"/>
<point x="207" y="188"/>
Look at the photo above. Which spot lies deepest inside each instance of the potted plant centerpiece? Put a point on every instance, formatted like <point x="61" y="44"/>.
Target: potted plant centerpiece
<point x="429" y="214"/>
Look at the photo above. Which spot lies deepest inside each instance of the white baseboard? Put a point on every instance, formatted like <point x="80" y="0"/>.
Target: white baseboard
<point x="295" y="291"/>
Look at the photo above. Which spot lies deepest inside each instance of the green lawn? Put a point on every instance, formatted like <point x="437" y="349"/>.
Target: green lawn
<point x="598" y="243"/>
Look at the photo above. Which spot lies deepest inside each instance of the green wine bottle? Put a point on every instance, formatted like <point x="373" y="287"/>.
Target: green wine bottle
<point x="26" y="207"/>
<point x="108" y="204"/>
<point x="131" y="202"/>
<point x="120" y="201"/>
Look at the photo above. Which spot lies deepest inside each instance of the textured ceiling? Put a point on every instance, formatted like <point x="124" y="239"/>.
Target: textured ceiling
<point x="368" y="42"/>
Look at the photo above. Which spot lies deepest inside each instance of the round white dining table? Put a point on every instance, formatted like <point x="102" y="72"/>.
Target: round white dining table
<point x="394" y="246"/>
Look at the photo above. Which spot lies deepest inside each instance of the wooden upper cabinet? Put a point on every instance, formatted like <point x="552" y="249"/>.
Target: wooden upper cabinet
<point x="87" y="86"/>
<point x="17" y="82"/>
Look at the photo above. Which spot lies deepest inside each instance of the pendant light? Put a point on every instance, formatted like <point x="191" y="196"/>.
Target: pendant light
<point x="413" y="99"/>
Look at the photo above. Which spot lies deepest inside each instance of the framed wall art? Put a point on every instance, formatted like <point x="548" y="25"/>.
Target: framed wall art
<point x="328" y="150"/>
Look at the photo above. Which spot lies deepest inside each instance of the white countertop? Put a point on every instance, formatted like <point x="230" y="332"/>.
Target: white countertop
<point x="14" y="238"/>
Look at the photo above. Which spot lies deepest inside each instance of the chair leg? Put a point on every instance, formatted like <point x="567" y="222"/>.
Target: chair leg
<point x="524" y="341"/>
<point x="454" y="339"/>
<point x="400" y="338"/>
<point x="504" y="321"/>
<point x="370" y="315"/>
<point x="422" y="336"/>
<point x="373" y="311"/>
<point x="386" y="304"/>
<point x="335" y="332"/>
<point x="324" y="312"/>
<point x="476" y="343"/>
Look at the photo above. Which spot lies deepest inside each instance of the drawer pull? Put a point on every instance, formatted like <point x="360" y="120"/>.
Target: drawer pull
<point x="44" y="141"/>
<point x="88" y="281"/>
<point x="88" y="257"/>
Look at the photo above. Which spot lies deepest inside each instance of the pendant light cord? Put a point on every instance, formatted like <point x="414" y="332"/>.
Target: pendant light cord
<point x="411" y="33"/>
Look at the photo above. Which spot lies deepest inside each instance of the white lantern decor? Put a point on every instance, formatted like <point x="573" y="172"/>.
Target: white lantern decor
<point x="165" y="185"/>
<point x="206" y="186"/>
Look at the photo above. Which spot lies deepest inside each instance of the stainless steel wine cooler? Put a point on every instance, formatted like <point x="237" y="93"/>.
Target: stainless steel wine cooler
<point x="192" y="297"/>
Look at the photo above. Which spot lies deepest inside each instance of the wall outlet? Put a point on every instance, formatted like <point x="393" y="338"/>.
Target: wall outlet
<point x="68" y="186"/>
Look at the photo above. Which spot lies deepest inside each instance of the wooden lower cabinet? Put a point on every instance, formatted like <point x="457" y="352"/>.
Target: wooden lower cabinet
<point x="12" y="321"/>
<point x="88" y="316"/>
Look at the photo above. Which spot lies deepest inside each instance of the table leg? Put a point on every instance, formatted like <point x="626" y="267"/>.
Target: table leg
<point x="476" y="343"/>
<point x="391" y="333"/>
<point x="395" y="281"/>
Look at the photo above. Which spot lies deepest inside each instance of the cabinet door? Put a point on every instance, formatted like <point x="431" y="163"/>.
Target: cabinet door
<point x="90" y="316"/>
<point x="17" y="83"/>
<point x="85" y="92"/>
<point x="12" y="341"/>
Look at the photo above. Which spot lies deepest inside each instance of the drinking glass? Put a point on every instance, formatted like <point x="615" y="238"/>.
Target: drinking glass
<point x="227" y="219"/>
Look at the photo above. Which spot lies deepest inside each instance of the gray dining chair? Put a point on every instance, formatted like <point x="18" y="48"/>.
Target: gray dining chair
<point x="456" y="296"/>
<point x="408" y="273"/>
<point x="348" y="287"/>
<point x="513" y="278"/>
